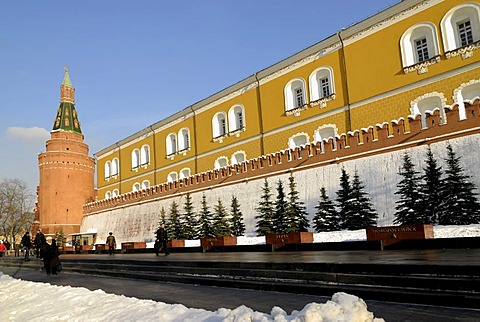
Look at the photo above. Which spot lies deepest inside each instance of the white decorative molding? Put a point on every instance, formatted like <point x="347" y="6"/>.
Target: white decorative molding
<point x="296" y="111"/>
<point x="220" y="138"/>
<point x="465" y="52"/>
<point x="322" y="102"/>
<point x="422" y="67"/>
<point x="460" y="88"/>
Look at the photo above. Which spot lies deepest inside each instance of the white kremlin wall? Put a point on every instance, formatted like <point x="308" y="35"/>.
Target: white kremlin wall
<point x="379" y="174"/>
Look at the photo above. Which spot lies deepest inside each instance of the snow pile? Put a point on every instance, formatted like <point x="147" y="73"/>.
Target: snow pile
<point x="32" y="301"/>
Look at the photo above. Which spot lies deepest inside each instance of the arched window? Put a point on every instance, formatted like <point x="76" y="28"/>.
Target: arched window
<point x="108" y="195"/>
<point x="221" y="162"/>
<point x="171" y="144"/>
<point x="136" y="187"/>
<point x="466" y="92"/>
<point x="236" y="118"/>
<point x="135" y="158"/>
<point x="321" y="83"/>
<point x="238" y="157"/>
<point x="294" y="94"/>
<point x="115" y="193"/>
<point x="184" y="173"/>
<point x="108" y="169"/>
<point x="145" y="184"/>
<point x="183" y="139"/>
<point x="461" y="26"/>
<point x="145" y="155"/>
<point x="219" y="125"/>
<point x="115" y="166"/>
<point x="298" y="139"/>
<point x="427" y="104"/>
<point x="324" y="133"/>
<point x="172" y="176"/>
<point x="419" y="43"/>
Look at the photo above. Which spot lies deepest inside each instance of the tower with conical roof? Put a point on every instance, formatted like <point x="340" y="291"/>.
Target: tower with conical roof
<point x="66" y="170"/>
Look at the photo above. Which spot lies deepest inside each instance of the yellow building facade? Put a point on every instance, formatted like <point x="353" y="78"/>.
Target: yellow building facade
<point x="406" y="60"/>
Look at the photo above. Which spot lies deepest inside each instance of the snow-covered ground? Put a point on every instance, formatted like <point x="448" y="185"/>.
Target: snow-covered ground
<point x="65" y="303"/>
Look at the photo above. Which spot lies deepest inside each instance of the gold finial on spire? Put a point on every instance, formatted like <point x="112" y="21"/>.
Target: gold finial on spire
<point x="65" y="69"/>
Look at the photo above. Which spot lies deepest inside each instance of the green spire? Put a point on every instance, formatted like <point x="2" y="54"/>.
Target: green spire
<point x="67" y="117"/>
<point x="66" y="78"/>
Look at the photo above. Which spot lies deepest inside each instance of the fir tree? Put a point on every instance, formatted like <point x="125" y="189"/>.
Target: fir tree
<point x="364" y="213"/>
<point x="281" y="205"/>
<point x="409" y="207"/>
<point x="460" y="205"/>
<point x="296" y="216"/>
<point x="326" y="216"/>
<point x="431" y="189"/>
<point x="345" y="200"/>
<point x="163" y="218"/>
<point x="265" y="212"/>
<point x="60" y="237"/>
<point x="221" y="225"/>
<point x="205" y="220"/>
<point x="175" y="229"/>
<point x="237" y="225"/>
<point x="190" y="224"/>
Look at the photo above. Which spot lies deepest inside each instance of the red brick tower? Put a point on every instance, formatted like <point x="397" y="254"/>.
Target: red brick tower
<point x="66" y="170"/>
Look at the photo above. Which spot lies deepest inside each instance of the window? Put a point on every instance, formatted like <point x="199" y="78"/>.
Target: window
<point x="135" y="158"/>
<point x="115" y="193"/>
<point x="108" y="195"/>
<point x="172" y="176"/>
<point x="183" y="139"/>
<point x="115" y="166"/>
<point x="108" y="169"/>
<point x="145" y="155"/>
<point x="321" y="85"/>
<point x="136" y="187"/>
<point x="221" y="162"/>
<point x="298" y="139"/>
<point x="418" y="44"/>
<point x="427" y="104"/>
<point x="421" y="49"/>
<point x="294" y="94"/>
<point x="324" y="133"/>
<point x="465" y="33"/>
<point x="145" y="184"/>
<point x="461" y="26"/>
<point x="236" y="118"/>
<point x="171" y="144"/>
<point x="238" y="157"/>
<point x="219" y="125"/>
<point x="184" y="173"/>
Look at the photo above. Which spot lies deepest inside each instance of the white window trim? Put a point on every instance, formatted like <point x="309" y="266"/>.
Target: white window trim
<point x="415" y="110"/>
<point x="232" y="120"/>
<point x="289" y="96"/>
<point x="459" y="99"/>
<point x="182" y="146"/>
<point x="318" y="138"/>
<point x="315" y="98"/>
<point x="172" y="147"/>
<point x="291" y="140"/>
<point x="217" y="163"/>
<point x="182" y="176"/>
<point x="233" y="159"/>
<point x="451" y="41"/>
<point x="135" y="159"/>
<point x="145" y="155"/>
<point x="170" y="177"/>
<point x="216" y="134"/>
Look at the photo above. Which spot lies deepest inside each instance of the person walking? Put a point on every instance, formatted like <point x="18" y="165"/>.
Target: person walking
<point x="55" y="264"/>
<point x="162" y="240"/>
<point x="46" y="253"/>
<point x="38" y="241"/>
<point x="111" y="243"/>
<point x="27" y="244"/>
<point x="3" y="249"/>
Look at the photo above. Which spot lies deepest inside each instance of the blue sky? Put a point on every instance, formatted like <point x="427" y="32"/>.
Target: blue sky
<point x="133" y="63"/>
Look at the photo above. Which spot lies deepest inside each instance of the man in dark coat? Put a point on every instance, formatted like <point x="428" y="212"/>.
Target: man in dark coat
<point x="27" y="244"/>
<point x="38" y="241"/>
<point x="162" y="240"/>
<point x="46" y="253"/>
<point x="111" y="243"/>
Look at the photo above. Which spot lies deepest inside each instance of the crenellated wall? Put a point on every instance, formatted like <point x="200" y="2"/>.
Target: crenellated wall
<point x="376" y="152"/>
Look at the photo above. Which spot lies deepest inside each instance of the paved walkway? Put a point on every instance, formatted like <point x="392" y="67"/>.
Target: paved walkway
<point x="212" y="298"/>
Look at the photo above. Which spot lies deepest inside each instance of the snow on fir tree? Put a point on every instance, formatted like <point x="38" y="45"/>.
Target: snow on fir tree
<point x="281" y="206"/>
<point x="326" y="216"/>
<point x="205" y="226"/>
<point x="189" y="220"/>
<point x="264" y="212"/>
<point x="409" y="206"/>
<point x="236" y="217"/>
<point x="221" y="226"/>
<point x="431" y="189"/>
<point x="460" y="205"/>
<point x="174" y="228"/>
<point x="296" y="216"/>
